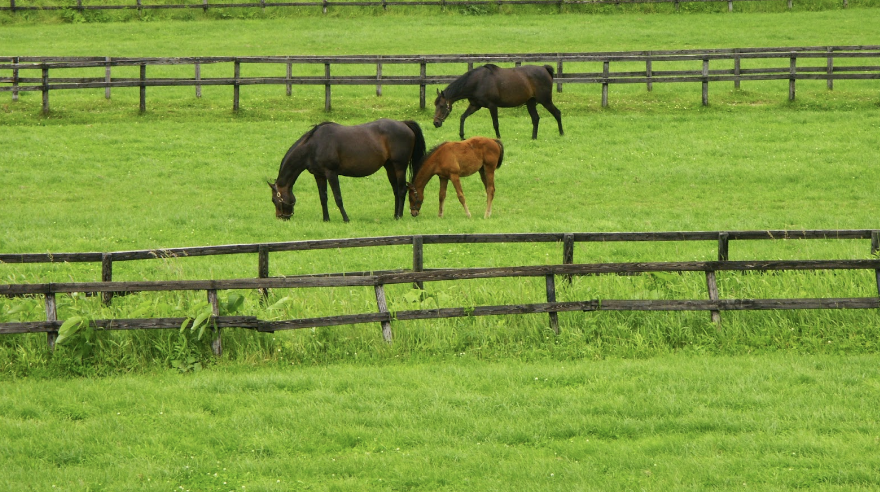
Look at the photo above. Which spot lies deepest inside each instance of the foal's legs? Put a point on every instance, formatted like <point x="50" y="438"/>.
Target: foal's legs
<point x="457" y="183"/>
<point x="337" y="195"/>
<point x="473" y="108"/>
<point x="443" y="183"/>
<point x="488" y="177"/>
<point x="532" y="105"/>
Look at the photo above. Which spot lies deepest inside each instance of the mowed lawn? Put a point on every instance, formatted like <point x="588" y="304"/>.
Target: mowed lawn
<point x="773" y="422"/>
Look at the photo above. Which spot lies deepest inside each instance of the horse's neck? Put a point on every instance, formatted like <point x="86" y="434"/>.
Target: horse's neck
<point x="293" y="164"/>
<point x="426" y="172"/>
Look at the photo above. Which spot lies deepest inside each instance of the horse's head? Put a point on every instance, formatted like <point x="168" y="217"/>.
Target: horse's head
<point x="442" y="108"/>
<point x="415" y="200"/>
<point x="283" y="199"/>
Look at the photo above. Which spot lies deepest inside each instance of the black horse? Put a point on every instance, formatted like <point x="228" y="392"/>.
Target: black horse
<point x="330" y="150"/>
<point x="493" y="87"/>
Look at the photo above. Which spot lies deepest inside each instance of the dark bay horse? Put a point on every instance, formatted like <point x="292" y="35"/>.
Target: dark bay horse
<point x="330" y="150"/>
<point x="493" y="87"/>
<point x="451" y="160"/>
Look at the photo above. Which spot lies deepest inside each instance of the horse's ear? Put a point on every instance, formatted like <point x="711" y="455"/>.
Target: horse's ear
<point x="438" y="92"/>
<point x="271" y="185"/>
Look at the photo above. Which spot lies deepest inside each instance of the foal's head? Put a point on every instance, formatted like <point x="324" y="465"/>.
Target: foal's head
<point x="415" y="199"/>
<point x="283" y="199"/>
<point x="442" y="108"/>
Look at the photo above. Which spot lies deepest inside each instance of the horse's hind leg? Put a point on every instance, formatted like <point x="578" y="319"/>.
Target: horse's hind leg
<point x="549" y="106"/>
<point x="457" y="183"/>
<point x="493" y="110"/>
<point x="443" y="183"/>
<point x="488" y="177"/>
<point x="337" y="195"/>
<point x="532" y="105"/>
<point x="398" y="185"/>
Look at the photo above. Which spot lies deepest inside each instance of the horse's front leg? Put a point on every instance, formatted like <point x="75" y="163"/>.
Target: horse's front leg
<point x="457" y="183"/>
<point x="493" y="110"/>
<point x="322" y="193"/>
<point x="337" y="195"/>
<point x="471" y="109"/>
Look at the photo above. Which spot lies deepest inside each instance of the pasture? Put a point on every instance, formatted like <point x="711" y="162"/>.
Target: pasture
<point x="774" y="400"/>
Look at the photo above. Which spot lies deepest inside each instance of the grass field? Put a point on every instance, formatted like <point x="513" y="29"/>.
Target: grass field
<point x="773" y="401"/>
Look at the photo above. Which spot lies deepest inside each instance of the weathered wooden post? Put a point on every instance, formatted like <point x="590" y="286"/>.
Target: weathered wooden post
<point x="605" y="84"/>
<point x="379" y="79"/>
<point x="106" y="276"/>
<point x="649" y="73"/>
<point x="551" y="297"/>
<point x="723" y="246"/>
<point x="736" y="72"/>
<point x="875" y="243"/>
<point x="423" y="70"/>
<point x="568" y="252"/>
<point x="45" y="90"/>
<point x="383" y="308"/>
<point x="143" y="107"/>
<point x="235" y="85"/>
<point x="418" y="258"/>
<point x="327" y="87"/>
<point x="830" y="69"/>
<point x="107" y="77"/>
<point x="216" y="344"/>
<point x="15" y="73"/>
<point x="559" y="76"/>
<point x="289" y="76"/>
<point x="198" y="68"/>
<point x="711" y="281"/>
<point x="730" y="5"/>
<point x="791" y="76"/>
<point x="263" y="268"/>
<point x="51" y="315"/>
<point x="705" y="82"/>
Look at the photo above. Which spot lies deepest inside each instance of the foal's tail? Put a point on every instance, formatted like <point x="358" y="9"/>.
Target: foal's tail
<point x="418" y="152"/>
<point x="550" y="69"/>
<point x="501" y="153"/>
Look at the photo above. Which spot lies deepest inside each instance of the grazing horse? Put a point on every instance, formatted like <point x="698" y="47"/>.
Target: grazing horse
<point x="330" y="150"/>
<point x="493" y="87"/>
<point x="451" y="160"/>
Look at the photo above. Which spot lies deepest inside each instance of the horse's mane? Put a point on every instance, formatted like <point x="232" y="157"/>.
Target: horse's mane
<point x="458" y="84"/>
<point x="301" y="140"/>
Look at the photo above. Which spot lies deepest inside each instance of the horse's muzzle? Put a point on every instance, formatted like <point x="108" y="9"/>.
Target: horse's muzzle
<point x="283" y="217"/>
<point x="414" y="213"/>
<point x="438" y="123"/>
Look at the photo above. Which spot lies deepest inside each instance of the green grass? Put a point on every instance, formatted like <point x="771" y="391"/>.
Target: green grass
<point x="776" y="422"/>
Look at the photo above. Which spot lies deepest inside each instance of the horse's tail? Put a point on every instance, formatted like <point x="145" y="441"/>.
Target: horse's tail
<point x="550" y="69"/>
<point x="501" y="153"/>
<point x="418" y="152"/>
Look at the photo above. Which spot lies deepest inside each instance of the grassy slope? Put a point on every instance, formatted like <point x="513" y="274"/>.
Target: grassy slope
<point x="670" y="423"/>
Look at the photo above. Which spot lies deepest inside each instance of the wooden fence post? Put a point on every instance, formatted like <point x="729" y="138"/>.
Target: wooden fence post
<point x="418" y="258"/>
<point x="648" y="73"/>
<point x="106" y="276"/>
<point x="235" y="85"/>
<point x="143" y="107"/>
<point x="289" y="75"/>
<point x="712" y="285"/>
<point x="383" y="308"/>
<point x="327" y="86"/>
<point x="379" y="79"/>
<point x="263" y="269"/>
<point x="15" y="73"/>
<point x="12" y="6"/>
<point x="324" y="9"/>
<point x="559" y="76"/>
<point x="736" y="72"/>
<point x="51" y="315"/>
<point x="198" y="75"/>
<point x="216" y="344"/>
<point x="605" y="84"/>
<point x="730" y="5"/>
<point x="568" y="252"/>
<point x="551" y="297"/>
<point x="875" y="243"/>
<point x="791" y="80"/>
<point x="205" y="6"/>
<point x="723" y="246"/>
<point x="830" y="69"/>
<point x="705" y="82"/>
<point x="107" y="77"/>
<point x="45" y="90"/>
<point x="423" y="71"/>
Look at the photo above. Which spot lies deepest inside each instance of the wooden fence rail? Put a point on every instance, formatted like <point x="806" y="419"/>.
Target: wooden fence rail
<point x="204" y="5"/>
<point x="19" y="74"/>
<point x="419" y="275"/>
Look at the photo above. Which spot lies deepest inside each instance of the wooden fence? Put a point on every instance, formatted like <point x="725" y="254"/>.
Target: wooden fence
<point x="18" y="74"/>
<point x="418" y="275"/>
<point x="384" y="4"/>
